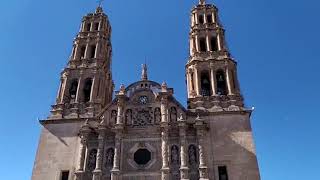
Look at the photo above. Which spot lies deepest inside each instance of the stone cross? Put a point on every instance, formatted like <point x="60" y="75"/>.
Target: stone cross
<point x="100" y="2"/>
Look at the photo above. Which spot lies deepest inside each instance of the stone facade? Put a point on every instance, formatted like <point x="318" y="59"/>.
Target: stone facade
<point x="144" y="133"/>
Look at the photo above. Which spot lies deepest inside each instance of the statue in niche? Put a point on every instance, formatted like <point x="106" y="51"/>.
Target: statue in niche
<point x="157" y="115"/>
<point x="129" y="117"/>
<point x="113" y="117"/>
<point x="110" y="157"/>
<point x="174" y="155"/>
<point x="92" y="159"/>
<point x="192" y="155"/>
<point x="173" y="114"/>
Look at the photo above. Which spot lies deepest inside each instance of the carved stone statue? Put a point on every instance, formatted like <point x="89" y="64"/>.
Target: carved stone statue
<point x="129" y="117"/>
<point x="192" y="155"/>
<point x="110" y="156"/>
<point x="157" y="115"/>
<point x="92" y="160"/>
<point x="174" y="155"/>
<point x="113" y="117"/>
<point x="173" y="114"/>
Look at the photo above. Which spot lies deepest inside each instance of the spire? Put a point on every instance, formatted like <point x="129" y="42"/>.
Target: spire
<point x="99" y="8"/>
<point x="144" y="73"/>
<point x="202" y="2"/>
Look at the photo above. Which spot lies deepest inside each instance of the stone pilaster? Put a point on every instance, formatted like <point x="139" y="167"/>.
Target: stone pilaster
<point x="203" y="169"/>
<point x="84" y="133"/>
<point x="121" y="98"/>
<point x="97" y="173"/>
<point x="184" y="169"/>
<point x="213" y="80"/>
<point x="165" y="170"/>
<point x="115" y="172"/>
<point x="229" y="81"/>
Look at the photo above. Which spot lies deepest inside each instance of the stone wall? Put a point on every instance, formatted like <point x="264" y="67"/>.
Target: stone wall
<point x="57" y="151"/>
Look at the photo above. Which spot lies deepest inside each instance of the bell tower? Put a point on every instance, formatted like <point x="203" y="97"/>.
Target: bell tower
<point x="211" y="72"/>
<point x="86" y="82"/>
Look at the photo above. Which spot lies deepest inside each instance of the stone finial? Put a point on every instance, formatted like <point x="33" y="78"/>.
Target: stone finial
<point x="144" y="73"/>
<point x="202" y="2"/>
<point x="122" y="90"/>
<point x="164" y="86"/>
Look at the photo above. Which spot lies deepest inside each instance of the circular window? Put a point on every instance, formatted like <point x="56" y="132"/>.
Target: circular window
<point x="142" y="156"/>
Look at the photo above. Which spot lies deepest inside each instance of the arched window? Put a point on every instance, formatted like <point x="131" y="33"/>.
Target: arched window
<point x="193" y="155"/>
<point x="221" y="83"/>
<point x="209" y="18"/>
<point x="201" y="19"/>
<point x="203" y="47"/>
<point x="88" y="26"/>
<point x="87" y="90"/>
<point x="205" y="84"/>
<point x="92" y="159"/>
<point x="73" y="89"/>
<point x="82" y="52"/>
<point x="214" y="44"/>
<point x="173" y="114"/>
<point x="93" y="51"/>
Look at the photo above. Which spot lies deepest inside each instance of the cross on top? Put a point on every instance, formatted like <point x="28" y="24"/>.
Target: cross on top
<point x="202" y="2"/>
<point x="100" y="2"/>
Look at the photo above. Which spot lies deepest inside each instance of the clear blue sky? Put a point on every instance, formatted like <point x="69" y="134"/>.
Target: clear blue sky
<point x="276" y="43"/>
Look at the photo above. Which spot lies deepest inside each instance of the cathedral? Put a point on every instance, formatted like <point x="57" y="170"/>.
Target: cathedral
<point x="140" y="131"/>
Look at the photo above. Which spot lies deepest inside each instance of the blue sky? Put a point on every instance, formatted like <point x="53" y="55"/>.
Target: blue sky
<point x="276" y="44"/>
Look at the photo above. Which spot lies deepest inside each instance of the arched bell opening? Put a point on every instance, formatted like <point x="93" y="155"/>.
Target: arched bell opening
<point x="205" y="84"/>
<point x="221" y="83"/>
<point x="87" y="90"/>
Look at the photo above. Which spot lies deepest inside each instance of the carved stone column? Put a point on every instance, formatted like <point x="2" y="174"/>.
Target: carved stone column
<point x="197" y="80"/>
<point x="165" y="170"/>
<point x="78" y="89"/>
<point x="220" y="39"/>
<point x="64" y="87"/>
<point x="115" y="172"/>
<point x="213" y="80"/>
<point x="121" y="98"/>
<point x="84" y="133"/>
<point x="93" y="89"/>
<point x="208" y="41"/>
<point x="229" y="81"/>
<point x="98" y="170"/>
<point x="184" y="169"/>
<point x="203" y="169"/>
<point x="197" y="43"/>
